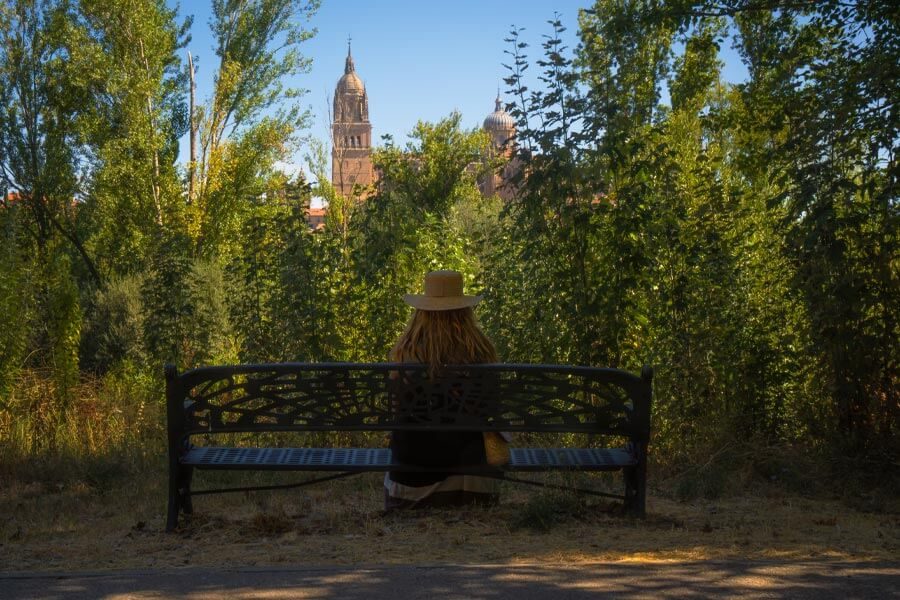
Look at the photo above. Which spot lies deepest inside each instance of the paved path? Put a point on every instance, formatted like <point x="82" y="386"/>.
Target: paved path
<point x="754" y="579"/>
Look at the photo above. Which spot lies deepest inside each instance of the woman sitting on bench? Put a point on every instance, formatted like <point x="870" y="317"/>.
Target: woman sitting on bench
<point x="442" y="331"/>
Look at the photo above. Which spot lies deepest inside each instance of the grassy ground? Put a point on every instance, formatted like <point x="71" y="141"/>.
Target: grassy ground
<point x="83" y="487"/>
<point x="117" y="521"/>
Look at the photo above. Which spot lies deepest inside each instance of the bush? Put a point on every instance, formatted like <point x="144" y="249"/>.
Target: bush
<point x="114" y="331"/>
<point x="14" y="303"/>
<point x="112" y="426"/>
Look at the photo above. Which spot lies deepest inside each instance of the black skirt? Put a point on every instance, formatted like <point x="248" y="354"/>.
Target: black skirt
<point x="435" y="449"/>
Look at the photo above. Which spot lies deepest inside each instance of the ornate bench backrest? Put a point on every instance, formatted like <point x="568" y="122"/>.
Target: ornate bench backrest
<point x="384" y="396"/>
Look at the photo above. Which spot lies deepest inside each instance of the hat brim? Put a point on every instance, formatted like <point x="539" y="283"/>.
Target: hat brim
<point x="436" y="303"/>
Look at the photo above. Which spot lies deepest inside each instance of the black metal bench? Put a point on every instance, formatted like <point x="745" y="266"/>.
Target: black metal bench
<point x="587" y="404"/>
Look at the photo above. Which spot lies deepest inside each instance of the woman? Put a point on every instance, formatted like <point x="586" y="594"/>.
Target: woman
<point x="442" y="331"/>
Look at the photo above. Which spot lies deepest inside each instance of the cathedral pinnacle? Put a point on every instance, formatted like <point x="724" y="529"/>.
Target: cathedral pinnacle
<point x="499" y="120"/>
<point x="348" y="66"/>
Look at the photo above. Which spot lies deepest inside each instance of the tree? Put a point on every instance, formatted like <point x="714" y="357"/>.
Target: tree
<point x="252" y="120"/>
<point x="41" y="150"/>
<point x="124" y="55"/>
<point x="579" y="221"/>
<point x="826" y="74"/>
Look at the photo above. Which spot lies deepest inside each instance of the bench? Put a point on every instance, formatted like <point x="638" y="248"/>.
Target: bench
<point x="583" y="406"/>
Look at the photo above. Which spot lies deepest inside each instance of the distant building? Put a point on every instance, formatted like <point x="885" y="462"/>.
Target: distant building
<point x="11" y="198"/>
<point x="18" y="197"/>
<point x="351" y="133"/>
<point x="351" y="149"/>
<point x="502" y="128"/>
<point x="316" y="218"/>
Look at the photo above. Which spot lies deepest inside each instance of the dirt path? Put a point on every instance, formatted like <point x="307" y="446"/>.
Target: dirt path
<point x="675" y="579"/>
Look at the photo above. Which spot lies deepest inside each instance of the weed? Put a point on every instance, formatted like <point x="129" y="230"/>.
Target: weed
<point x="106" y="474"/>
<point x="545" y="509"/>
<point x="708" y="483"/>
<point x="270" y="523"/>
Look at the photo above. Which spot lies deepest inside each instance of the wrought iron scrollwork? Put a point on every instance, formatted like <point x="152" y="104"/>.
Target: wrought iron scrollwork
<point x="294" y="397"/>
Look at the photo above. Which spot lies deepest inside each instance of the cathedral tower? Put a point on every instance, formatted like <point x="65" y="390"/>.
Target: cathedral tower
<point x="351" y="148"/>
<point x="502" y="129"/>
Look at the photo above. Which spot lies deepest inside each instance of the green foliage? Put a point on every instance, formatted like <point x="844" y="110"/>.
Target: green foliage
<point x="821" y="98"/>
<point x="130" y="51"/>
<point x="167" y="304"/>
<point x="317" y="301"/>
<point x="187" y="321"/>
<point x="58" y="323"/>
<point x="210" y="336"/>
<point x="15" y="315"/>
<point x="252" y="120"/>
<point x="407" y="227"/>
<point x="578" y="228"/>
<point x="739" y="240"/>
<point x="258" y="48"/>
<point x="255" y="282"/>
<point x="115" y="330"/>
<point x="40" y="146"/>
<point x="742" y="238"/>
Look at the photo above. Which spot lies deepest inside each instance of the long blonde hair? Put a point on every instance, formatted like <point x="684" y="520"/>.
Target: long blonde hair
<point x="445" y="337"/>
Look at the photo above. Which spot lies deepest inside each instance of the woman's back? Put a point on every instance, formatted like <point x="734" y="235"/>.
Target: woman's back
<point x="442" y="331"/>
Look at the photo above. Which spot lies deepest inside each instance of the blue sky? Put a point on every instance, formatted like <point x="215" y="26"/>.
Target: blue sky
<point x="419" y="60"/>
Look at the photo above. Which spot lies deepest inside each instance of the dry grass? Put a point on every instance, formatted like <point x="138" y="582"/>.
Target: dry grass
<point x="82" y="486"/>
<point x="81" y="526"/>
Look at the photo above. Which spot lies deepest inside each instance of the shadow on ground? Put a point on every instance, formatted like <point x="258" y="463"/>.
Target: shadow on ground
<point x="703" y="579"/>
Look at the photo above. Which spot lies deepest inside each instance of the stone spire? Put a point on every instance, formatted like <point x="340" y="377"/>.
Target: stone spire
<point x="348" y="64"/>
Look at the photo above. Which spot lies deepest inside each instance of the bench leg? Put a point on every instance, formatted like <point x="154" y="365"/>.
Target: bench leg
<point x="179" y="495"/>
<point x="174" y="500"/>
<point x="636" y="489"/>
<point x="186" y="505"/>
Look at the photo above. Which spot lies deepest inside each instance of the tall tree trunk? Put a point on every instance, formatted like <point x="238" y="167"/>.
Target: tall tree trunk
<point x="192" y="165"/>
<point x="155" y="183"/>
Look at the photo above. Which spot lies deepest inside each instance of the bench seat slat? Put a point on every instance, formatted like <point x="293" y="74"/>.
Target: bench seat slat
<point x="379" y="459"/>
<point x="596" y="459"/>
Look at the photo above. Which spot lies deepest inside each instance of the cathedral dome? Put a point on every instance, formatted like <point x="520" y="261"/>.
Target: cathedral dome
<point x="350" y="82"/>
<point x="499" y="120"/>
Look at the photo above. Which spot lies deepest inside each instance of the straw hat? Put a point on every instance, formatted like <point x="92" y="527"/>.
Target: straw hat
<point x="443" y="291"/>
